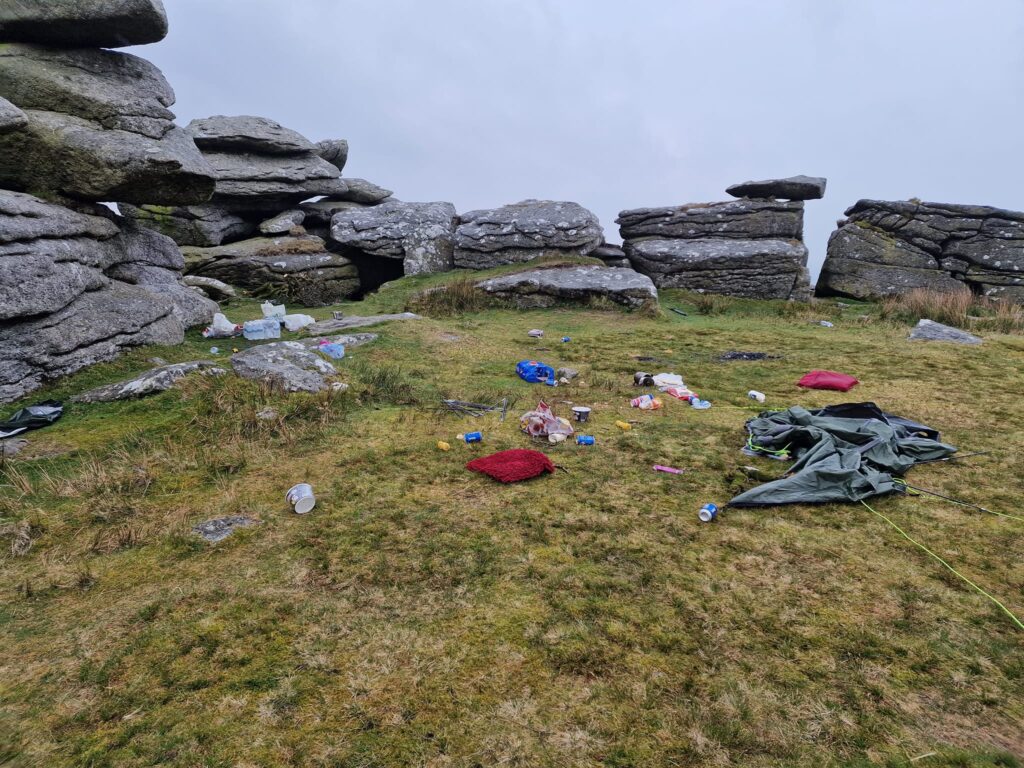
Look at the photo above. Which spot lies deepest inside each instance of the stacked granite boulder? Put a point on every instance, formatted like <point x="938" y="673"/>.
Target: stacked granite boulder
<point x="256" y="232"/>
<point x="80" y="125"/>
<point x="751" y="247"/>
<point x="885" y="248"/>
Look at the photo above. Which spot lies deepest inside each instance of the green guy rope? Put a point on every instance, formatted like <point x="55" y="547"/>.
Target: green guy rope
<point x="957" y="573"/>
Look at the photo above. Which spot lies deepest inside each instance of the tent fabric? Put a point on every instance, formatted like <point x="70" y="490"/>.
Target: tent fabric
<point x="840" y="382"/>
<point x="843" y="452"/>
<point x="513" y="465"/>
<point x="34" y="417"/>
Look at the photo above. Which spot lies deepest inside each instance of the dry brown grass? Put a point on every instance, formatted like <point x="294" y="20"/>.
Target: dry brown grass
<point x="961" y="309"/>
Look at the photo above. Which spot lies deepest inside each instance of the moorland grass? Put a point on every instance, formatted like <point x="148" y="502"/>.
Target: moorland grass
<point x="424" y="615"/>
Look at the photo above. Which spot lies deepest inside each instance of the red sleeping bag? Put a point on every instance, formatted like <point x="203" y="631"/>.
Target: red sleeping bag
<point x="828" y="380"/>
<point x="513" y="466"/>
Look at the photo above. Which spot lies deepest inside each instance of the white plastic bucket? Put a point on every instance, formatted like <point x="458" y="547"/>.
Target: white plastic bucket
<point x="301" y="498"/>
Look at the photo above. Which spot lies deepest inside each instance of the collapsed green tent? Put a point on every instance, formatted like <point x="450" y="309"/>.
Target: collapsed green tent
<point x="843" y="452"/>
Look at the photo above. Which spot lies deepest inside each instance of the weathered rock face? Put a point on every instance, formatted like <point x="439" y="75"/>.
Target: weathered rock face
<point x="612" y="256"/>
<point x="198" y="225"/>
<point x="421" y="235"/>
<point x="793" y="188"/>
<point x="751" y="248"/>
<point x="97" y="127"/>
<point x="738" y="219"/>
<point x="297" y="269"/>
<point x="929" y="330"/>
<point x="149" y="383"/>
<point x="283" y="223"/>
<point x="757" y="269"/>
<point x="523" y="232"/>
<point x="83" y="23"/>
<point x="572" y="285"/>
<point x="885" y="248"/>
<point x="11" y="118"/>
<point x="262" y="169"/>
<point x="93" y="328"/>
<point x="334" y="151"/>
<point x="363" y="191"/>
<point x="285" y="364"/>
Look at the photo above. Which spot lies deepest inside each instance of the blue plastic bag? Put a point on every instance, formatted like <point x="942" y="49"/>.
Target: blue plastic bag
<point x="536" y="373"/>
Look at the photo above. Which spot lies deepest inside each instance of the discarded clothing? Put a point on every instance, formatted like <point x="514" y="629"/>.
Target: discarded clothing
<point x="542" y="422"/>
<point x="513" y="465"/>
<point x="35" y="416"/>
<point x="828" y="380"/>
<point x="663" y="380"/>
<point x="844" y="452"/>
<point x="536" y="373"/>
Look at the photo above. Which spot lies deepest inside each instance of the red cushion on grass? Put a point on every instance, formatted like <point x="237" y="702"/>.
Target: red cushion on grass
<point x="513" y="466"/>
<point x="828" y="380"/>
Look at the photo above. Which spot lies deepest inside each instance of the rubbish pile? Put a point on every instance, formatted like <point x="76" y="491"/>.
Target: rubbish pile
<point x="671" y="384"/>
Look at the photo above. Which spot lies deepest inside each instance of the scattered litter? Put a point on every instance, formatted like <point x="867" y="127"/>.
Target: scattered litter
<point x="337" y="315"/>
<point x="34" y="417"/>
<point x="643" y="379"/>
<point x="258" y="330"/>
<point x="585" y="440"/>
<point x="826" y="324"/>
<point x="700" y="405"/>
<point x="221" y="328"/>
<point x="681" y="393"/>
<point x="471" y="437"/>
<point x="556" y="438"/>
<point x="333" y="350"/>
<point x="474" y="409"/>
<point x="220" y="528"/>
<point x="536" y="333"/>
<point x="301" y="498"/>
<point x="542" y="422"/>
<point x="535" y="373"/>
<point x="295" y="323"/>
<point x="755" y="395"/>
<point x="839" y="382"/>
<point x="646" y="403"/>
<point x="513" y="465"/>
<point x="566" y="339"/>
<point x="669" y="470"/>
<point x="625" y="426"/>
<point x="273" y="310"/>
<point x="678" y="311"/>
<point x="708" y="513"/>
<point x="733" y="356"/>
<point x="663" y="380"/>
<point x="443" y="446"/>
<point x="581" y="413"/>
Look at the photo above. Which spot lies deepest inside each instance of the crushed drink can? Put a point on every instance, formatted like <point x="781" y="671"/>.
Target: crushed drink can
<point x="473" y="437"/>
<point x="584" y="439"/>
<point x="708" y="513"/>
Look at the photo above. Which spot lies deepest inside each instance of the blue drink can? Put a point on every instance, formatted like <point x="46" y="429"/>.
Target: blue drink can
<point x="708" y="513"/>
<point x="584" y="439"/>
<point x="474" y="437"/>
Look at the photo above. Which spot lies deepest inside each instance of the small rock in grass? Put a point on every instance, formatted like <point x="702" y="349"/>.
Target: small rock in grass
<point x="220" y="528"/>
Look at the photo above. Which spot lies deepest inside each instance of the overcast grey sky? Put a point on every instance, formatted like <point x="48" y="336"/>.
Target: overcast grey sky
<point x="621" y="105"/>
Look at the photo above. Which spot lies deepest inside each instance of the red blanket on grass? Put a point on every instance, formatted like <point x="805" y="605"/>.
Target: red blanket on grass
<point x="513" y="466"/>
<point x="828" y="380"/>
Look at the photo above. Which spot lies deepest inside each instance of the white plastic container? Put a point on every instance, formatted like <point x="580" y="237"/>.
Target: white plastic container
<point x="257" y="330"/>
<point x="755" y="395"/>
<point x="295" y="323"/>
<point x="301" y="498"/>
<point x="273" y="310"/>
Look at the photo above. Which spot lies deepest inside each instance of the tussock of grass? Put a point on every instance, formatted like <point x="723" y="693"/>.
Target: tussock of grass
<point x="961" y="309"/>
<point x="424" y="615"/>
